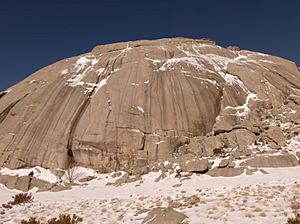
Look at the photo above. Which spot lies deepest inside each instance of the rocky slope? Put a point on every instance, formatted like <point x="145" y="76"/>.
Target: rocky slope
<point x="125" y="106"/>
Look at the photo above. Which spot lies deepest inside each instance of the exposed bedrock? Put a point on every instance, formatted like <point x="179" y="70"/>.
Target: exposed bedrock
<point x="124" y="106"/>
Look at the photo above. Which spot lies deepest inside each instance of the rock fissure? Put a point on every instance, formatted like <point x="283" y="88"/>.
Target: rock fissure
<point x="76" y="120"/>
<point x="218" y="132"/>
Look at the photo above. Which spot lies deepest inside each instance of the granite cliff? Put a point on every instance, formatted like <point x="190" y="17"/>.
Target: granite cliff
<point x="127" y="105"/>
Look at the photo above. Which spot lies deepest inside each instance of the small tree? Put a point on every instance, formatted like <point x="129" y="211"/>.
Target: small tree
<point x="71" y="172"/>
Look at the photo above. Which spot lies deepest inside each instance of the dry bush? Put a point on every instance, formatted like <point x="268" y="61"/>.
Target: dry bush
<point x="62" y="219"/>
<point x="295" y="205"/>
<point x="32" y="220"/>
<point x="65" y="219"/>
<point x="21" y="198"/>
<point x="294" y="220"/>
<point x="263" y="214"/>
<point x="257" y="209"/>
<point x="71" y="172"/>
<point x="249" y="215"/>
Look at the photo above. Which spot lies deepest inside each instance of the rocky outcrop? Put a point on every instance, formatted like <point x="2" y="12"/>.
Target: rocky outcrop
<point x="124" y="106"/>
<point x="225" y="172"/>
<point x="285" y="160"/>
<point x="164" y="215"/>
<point x="24" y="183"/>
<point x="195" y="165"/>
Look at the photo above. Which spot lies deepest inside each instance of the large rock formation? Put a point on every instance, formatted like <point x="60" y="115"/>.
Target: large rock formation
<point x="127" y="105"/>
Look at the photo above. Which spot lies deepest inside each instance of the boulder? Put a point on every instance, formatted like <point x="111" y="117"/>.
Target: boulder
<point x="164" y="215"/>
<point x="86" y="179"/>
<point x="58" y="172"/>
<point x="240" y="138"/>
<point x="223" y="163"/>
<point x="276" y="135"/>
<point x="21" y="183"/>
<point x="225" y="172"/>
<point x="284" y="160"/>
<point x="233" y="48"/>
<point x="195" y="165"/>
<point x="42" y="185"/>
<point x="231" y="164"/>
<point x="24" y="183"/>
<point x="205" y="146"/>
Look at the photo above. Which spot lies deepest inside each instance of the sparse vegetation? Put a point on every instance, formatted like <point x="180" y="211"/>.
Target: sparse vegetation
<point x="65" y="219"/>
<point x="71" y="172"/>
<point x="32" y="220"/>
<point x="21" y="198"/>
<point x="294" y="220"/>
<point x="62" y="219"/>
<point x="295" y="206"/>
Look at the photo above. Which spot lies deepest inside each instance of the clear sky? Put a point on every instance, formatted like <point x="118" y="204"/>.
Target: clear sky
<point x="36" y="33"/>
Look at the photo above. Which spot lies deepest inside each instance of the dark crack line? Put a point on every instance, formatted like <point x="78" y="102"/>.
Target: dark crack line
<point x="80" y="113"/>
<point x="77" y="118"/>
<point x="218" y="132"/>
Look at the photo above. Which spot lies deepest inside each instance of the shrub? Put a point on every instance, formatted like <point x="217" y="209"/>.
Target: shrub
<point x="32" y="220"/>
<point x="62" y="219"/>
<point x="21" y="198"/>
<point x="294" y="220"/>
<point x="65" y="219"/>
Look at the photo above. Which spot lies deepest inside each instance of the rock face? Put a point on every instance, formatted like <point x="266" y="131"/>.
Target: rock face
<point x="127" y="105"/>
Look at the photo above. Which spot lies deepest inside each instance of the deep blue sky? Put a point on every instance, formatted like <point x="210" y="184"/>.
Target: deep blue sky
<point x="36" y="33"/>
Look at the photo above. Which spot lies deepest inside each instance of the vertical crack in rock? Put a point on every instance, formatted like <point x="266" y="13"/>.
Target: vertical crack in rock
<point x="76" y="120"/>
<point x="80" y="113"/>
<point x="6" y="111"/>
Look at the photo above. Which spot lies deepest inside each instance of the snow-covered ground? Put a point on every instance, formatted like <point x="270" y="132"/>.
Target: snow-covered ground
<point x="258" y="198"/>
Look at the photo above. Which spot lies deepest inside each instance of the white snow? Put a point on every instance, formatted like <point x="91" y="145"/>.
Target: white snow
<point x="100" y="71"/>
<point x="154" y="61"/>
<point x="238" y="58"/>
<point x="245" y="109"/>
<point x="234" y="80"/>
<point x="39" y="172"/>
<point x="157" y="143"/>
<point x="138" y="131"/>
<point x="115" y="70"/>
<point x="100" y="85"/>
<point x="222" y="199"/>
<point x="140" y="109"/>
<point x="134" y="84"/>
<point x="82" y="62"/>
<point x="267" y="61"/>
<point x="82" y="68"/>
<point x="64" y="72"/>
